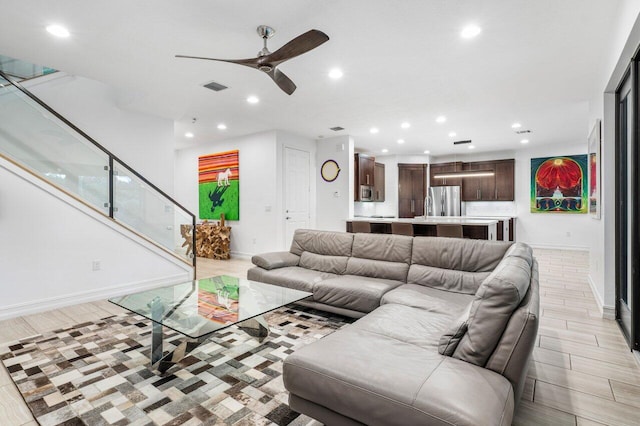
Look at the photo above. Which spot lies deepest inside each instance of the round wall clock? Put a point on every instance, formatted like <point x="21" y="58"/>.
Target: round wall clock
<point x="330" y="170"/>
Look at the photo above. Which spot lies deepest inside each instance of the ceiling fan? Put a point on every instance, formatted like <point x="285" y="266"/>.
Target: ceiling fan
<point x="268" y="62"/>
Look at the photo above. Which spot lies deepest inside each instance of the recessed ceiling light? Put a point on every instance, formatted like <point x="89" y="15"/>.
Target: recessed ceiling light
<point x="374" y="130"/>
<point x="253" y="99"/>
<point x="516" y="125"/>
<point x="188" y="135"/>
<point x="452" y="134"/>
<point x="470" y="31"/>
<point x="427" y="152"/>
<point x="385" y="150"/>
<point x="400" y="141"/>
<point x="524" y="141"/>
<point x="471" y="147"/>
<point x="441" y="119"/>
<point x="335" y="73"/>
<point x="58" y="31"/>
<point x="222" y="126"/>
<point x="405" y="125"/>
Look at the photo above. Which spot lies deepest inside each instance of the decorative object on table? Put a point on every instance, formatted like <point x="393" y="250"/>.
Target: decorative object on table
<point x="186" y="231"/>
<point x="219" y="185"/>
<point x="330" y="170"/>
<point x="213" y="239"/>
<point x="218" y="299"/>
<point x="594" y="170"/>
<point x="559" y="184"/>
<point x="60" y="373"/>
<point x="267" y="62"/>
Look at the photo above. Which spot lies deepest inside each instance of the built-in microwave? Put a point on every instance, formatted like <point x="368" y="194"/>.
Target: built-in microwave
<point x="366" y="193"/>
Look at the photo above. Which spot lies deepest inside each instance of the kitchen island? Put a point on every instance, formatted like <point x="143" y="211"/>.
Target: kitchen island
<point x="474" y="228"/>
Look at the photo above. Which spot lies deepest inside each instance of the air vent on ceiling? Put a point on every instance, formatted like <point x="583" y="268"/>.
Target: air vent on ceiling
<point x="523" y="131"/>
<point x="216" y="87"/>
<point x="462" y="142"/>
<point x="336" y="128"/>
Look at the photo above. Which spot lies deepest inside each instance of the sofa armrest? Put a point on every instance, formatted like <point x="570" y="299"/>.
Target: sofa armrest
<point x="274" y="260"/>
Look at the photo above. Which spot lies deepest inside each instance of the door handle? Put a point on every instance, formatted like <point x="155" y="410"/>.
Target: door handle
<point x="477" y="194"/>
<point x="367" y="179"/>
<point x="413" y="206"/>
<point x="287" y="217"/>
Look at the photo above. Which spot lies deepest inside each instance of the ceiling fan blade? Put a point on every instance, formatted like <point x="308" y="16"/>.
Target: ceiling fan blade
<point x="282" y="81"/>
<point x="296" y="47"/>
<point x="252" y="62"/>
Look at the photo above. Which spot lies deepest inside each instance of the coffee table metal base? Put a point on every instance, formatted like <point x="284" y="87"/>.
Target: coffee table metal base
<point x="255" y="327"/>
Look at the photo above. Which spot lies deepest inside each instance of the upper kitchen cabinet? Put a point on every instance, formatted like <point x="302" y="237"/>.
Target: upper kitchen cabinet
<point x="364" y="166"/>
<point x="499" y="187"/>
<point x="479" y="188"/>
<point x="441" y="168"/>
<point x="505" y="180"/>
<point x="378" y="182"/>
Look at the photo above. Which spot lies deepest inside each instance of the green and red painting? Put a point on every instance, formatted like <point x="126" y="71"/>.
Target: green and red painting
<point x="219" y="185"/>
<point x="559" y="184"/>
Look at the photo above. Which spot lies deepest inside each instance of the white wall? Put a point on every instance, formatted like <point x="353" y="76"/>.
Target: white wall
<point x="143" y="141"/>
<point x="50" y="242"/>
<point x="261" y="225"/>
<point x="335" y="199"/>
<point x="555" y="230"/>
<point x="625" y="38"/>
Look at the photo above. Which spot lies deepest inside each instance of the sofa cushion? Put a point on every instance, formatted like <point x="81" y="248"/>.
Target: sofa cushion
<point x="386" y="247"/>
<point x="290" y="277"/>
<point x="427" y="298"/>
<point x="496" y="299"/>
<point x="458" y="253"/>
<point x="324" y="263"/>
<point x="450" y="339"/>
<point x="380" y="379"/>
<point x="446" y="279"/>
<point x="321" y="242"/>
<point x="278" y="259"/>
<point x="352" y="292"/>
<point x="377" y="269"/>
<point x="521" y="250"/>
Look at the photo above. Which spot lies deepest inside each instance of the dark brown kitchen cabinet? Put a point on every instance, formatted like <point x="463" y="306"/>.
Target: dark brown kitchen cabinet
<point x="505" y="180"/>
<point x="440" y="168"/>
<point x="364" y="166"/>
<point x="378" y="182"/>
<point x="479" y="188"/>
<point x="412" y="189"/>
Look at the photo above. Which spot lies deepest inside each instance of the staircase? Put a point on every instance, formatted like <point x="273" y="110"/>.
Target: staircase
<point x="38" y="140"/>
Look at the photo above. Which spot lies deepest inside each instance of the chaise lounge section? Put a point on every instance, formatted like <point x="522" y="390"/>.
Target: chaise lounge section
<point x="448" y="341"/>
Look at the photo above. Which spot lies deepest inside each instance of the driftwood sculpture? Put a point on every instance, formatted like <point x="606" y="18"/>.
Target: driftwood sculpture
<point x="212" y="240"/>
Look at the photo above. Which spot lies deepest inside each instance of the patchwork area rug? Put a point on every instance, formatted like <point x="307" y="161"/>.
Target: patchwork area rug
<point x="97" y="373"/>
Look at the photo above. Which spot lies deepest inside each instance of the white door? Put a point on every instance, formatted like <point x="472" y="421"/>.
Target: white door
<point x="296" y="190"/>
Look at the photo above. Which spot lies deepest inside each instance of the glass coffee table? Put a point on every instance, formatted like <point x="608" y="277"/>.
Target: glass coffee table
<point x="197" y="309"/>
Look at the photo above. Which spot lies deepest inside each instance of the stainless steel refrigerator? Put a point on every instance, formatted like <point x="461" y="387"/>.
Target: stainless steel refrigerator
<point x="443" y="201"/>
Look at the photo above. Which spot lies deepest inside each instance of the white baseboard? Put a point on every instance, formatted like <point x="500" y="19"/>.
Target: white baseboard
<point x="560" y="247"/>
<point x="607" y="312"/>
<point x="40" y="305"/>
<point x="242" y="255"/>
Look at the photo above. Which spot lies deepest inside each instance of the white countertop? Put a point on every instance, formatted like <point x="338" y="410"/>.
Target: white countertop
<point x="431" y="220"/>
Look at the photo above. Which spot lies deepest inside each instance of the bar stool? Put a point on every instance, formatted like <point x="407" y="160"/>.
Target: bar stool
<point x="361" y="227"/>
<point x="451" y="231"/>
<point x="402" y="228"/>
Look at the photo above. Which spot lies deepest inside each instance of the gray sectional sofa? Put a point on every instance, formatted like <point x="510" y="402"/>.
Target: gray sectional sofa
<point x="446" y="327"/>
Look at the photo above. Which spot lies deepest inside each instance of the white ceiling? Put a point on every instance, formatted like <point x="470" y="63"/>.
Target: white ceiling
<point x="535" y="62"/>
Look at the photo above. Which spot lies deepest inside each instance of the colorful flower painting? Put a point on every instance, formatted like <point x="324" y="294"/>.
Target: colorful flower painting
<point x="594" y="171"/>
<point x="559" y="184"/>
<point x="219" y="185"/>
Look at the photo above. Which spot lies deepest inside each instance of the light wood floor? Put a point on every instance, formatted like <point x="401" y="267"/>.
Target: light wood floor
<point x="582" y="372"/>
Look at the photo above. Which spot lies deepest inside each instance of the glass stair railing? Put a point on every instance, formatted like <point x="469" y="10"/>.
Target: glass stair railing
<point x="38" y="139"/>
<point x="20" y="70"/>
